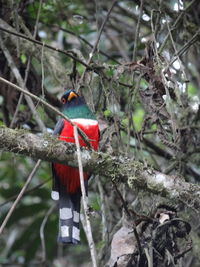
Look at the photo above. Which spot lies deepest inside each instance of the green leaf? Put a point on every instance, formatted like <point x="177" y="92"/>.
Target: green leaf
<point x="23" y="58"/>
<point x="138" y="116"/>
<point x="107" y="113"/>
<point x="192" y="91"/>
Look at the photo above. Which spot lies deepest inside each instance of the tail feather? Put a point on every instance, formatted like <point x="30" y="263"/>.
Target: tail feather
<point x="69" y="215"/>
<point x="69" y="210"/>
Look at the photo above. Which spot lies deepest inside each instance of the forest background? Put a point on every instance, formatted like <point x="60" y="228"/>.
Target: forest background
<point x="137" y="65"/>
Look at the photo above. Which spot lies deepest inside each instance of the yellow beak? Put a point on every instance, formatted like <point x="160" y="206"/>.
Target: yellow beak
<point x="71" y="95"/>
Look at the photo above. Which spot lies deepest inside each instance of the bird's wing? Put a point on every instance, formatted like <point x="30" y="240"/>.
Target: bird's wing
<point x="59" y="126"/>
<point x="55" y="183"/>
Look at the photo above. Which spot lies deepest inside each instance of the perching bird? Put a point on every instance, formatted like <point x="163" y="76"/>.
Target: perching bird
<point x="66" y="182"/>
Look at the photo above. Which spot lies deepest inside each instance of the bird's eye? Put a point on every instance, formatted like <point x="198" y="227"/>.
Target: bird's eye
<point x="63" y="100"/>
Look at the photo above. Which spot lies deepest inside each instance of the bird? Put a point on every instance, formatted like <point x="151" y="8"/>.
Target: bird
<point x="66" y="188"/>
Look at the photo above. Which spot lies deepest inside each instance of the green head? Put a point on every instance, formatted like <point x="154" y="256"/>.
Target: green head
<point x="74" y="106"/>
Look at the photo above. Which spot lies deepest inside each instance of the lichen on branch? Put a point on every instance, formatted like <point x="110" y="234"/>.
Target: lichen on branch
<point x="122" y="170"/>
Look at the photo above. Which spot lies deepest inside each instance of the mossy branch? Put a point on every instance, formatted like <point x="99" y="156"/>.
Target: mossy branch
<point x="49" y="148"/>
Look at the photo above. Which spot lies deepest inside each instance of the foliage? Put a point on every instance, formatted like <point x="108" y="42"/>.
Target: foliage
<point x="144" y="90"/>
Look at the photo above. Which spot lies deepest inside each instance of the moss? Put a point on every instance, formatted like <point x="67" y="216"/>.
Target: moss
<point x="155" y="187"/>
<point x="135" y="168"/>
<point x="131" y="181"/>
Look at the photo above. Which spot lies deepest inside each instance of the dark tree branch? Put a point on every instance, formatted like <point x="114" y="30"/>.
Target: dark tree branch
<point x="56" y="111"/>
<point x="92" y="67"/>
<point x="70" y="54"/>
<point x="132" y="172"/>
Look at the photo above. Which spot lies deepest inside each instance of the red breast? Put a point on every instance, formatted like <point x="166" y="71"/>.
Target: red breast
<point x="67" y="175"/>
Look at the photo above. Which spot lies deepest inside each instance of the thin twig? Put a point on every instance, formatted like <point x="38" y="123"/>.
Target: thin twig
<point x="21" y="95"/>
<point x="56" y="111"/>
<point x="34" y="36"/>
<point x="25" y="193"/>
<point x="154" y="36"/>
<point x="119" y="44"/>
<point x="67" y="53"/>
<point x="37" y="19"/>
<point x="103" y="211"/>
<point x="16" y="110"/>
<point x="159" y="63"/>
<point x="42" y="232"/>
<point x="84" y="199"/>
<point x="14" y="7"/>
<point x="137" y="30"/>
<point x="129" y="216"/>
<point x="149" y="256"/>
<point x="42" y="67"/>
<point x="130" y="96"/>
<point x="28" y="67"/>
<point x="19" y="196"/>
<point x="195" y="38"/>
<point x="157" y="22"/>
<point x="97" y="69"/>
<point x="175" y="24"/>
<point x="182" y="253"/>
<point x="122" y="199"/>
<point x="21" y="83"/>
<point x="176" y="51"/>
<point x="100" y="31"/>
<point x="85" y="41"/>
<point x="96" y="43"/>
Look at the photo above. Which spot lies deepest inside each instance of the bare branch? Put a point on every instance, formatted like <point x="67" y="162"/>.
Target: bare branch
<point x="194" y="39"/>
<point x="19" y="196"/>
<point x="27" y="192"/>
<point x="56" y="111"/>
<point x="67" y="53"/>
<point x="20" y="81"/>
<point x="42" y="226"/>
<point x="84" y="200"/>
<point x="96" y="43"/>
<point x="176" y="23"/>
<point x="137" y="30"/>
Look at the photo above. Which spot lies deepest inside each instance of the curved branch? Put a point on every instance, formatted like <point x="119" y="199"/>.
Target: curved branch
<point x="134" y="173"/>
<point x="67" y="53"/>
<point x="56" y="111"/>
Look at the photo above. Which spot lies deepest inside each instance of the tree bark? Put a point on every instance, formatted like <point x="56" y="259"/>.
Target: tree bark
<point x="119" y="169"/>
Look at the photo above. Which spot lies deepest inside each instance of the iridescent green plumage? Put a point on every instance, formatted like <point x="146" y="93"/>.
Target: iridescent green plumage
<point x="78" y="111"/>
